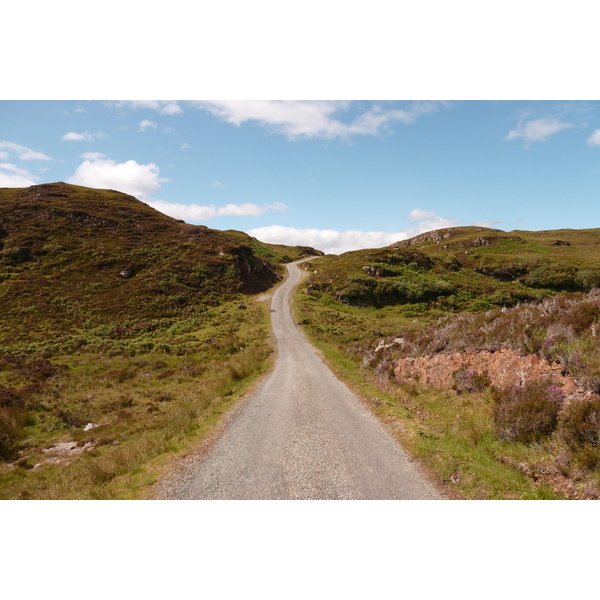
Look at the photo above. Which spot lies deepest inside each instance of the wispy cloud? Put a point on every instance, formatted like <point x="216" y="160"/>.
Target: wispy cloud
<point x="537" y="130"/>
<point x="92" y="155"/>
<point x="416" y="214"/>
<point x="196" y="213"/>
<point x="164" y="107"/>
<point x="86" y="136"/>
<point x="334" y="241"/>
<point x="12" y="176"/>
<point x="315" y="119"/>
<point x="594" y="139"/>
<point x="146" y="124"/>
<point x="22" y="152"/>
<point x="218" y="184"/>
<point x="129" y="177"/>
<point x="424" y="220"/>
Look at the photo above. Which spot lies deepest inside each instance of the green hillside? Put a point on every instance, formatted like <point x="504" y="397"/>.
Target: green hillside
<point x="463" y="269"/>
<point x="73" y="258"/>
<point x="473" y="289"/>
<point x="124" y="335"/>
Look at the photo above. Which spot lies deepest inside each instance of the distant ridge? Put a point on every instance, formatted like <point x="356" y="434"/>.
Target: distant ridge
<point x="464" y="269"/>
<point x="438" y="235"/>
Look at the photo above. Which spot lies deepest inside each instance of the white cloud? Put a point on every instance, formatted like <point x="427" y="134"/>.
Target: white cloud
<point x="416" y="214"/>
<point x="594" y="139"/>
<point x="537" y="130"/>
<point x="218" y="184"/>
<point x="72" y="136"/>
<point x="185" y="146"/>
<point x="424" y="220"/>
<point x="312" y="119"/>
<point x="165" y="107"/>
<point x="92" y="155"/>
<point x="198" y="213"/>
<point x="332" y="241"/>
<point x="129" y="177"/>
<point x="23" y="152"/>
<point x="12" y="176"/>
<point x="145" y="124"/>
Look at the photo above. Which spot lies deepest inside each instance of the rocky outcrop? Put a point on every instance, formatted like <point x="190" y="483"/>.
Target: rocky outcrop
<point x="440" y="235"/>
<point x="504" y="368"/>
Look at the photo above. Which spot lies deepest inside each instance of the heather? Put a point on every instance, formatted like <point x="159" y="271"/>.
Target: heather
<point x="125" y="335"/>
<point x="447" y="297"/>
<point x="562" y="329"/>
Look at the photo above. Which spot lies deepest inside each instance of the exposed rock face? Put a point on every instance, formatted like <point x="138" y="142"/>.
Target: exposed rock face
<point x="439" y="235"/>
<point x="505" y="368"/>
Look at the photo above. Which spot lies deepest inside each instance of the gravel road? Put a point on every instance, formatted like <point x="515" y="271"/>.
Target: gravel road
<point x="302" y="435"/>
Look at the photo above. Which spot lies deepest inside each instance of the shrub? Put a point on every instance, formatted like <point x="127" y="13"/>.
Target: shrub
<point x="579" y="427"/>
<point x="467" y="380"/>
<point x="553" y="275"/>
<point x="582" y="316"/>
<point x="41" y="369"/>
<point x="9" y="397"/>
<point x="12" y="421"/>
<point x="526" y="413"/>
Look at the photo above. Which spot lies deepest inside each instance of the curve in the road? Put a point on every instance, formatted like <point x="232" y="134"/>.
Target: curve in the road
<point x="303" y="435"/>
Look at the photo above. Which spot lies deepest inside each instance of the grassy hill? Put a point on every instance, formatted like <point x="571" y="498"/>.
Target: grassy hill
<point x="118" y="318"/>
<point x="465" y="268"/>
<point x="469" y="289"/>
<point x="73" y="258"/>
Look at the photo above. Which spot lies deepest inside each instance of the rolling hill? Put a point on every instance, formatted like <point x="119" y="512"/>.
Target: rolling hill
<point x="74" y="257"/>
<point x="479" y="347"/>
<point x="124" y="336"/>
<point x="464" y="269"/>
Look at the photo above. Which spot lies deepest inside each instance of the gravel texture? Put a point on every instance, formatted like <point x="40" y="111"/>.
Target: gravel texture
<point x="302" y="434"/>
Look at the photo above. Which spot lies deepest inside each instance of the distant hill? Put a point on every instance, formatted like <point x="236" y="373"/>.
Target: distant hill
<point x="464" y="268"/>
<point x="72" y="256"/>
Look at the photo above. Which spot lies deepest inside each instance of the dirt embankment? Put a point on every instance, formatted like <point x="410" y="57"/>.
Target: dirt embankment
<point x="504" y="368"/>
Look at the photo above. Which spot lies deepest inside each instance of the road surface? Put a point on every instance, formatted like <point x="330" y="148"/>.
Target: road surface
<point x="303" y="435"/>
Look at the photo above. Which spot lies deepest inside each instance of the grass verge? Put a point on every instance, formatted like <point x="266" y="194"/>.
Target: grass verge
<point x="451" y="435"/>
<point x="101" y="425"/>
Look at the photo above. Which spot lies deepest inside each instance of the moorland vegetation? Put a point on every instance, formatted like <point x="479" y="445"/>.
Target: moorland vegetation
<point x="124" y="336"/>
<point x="473" y="289"/>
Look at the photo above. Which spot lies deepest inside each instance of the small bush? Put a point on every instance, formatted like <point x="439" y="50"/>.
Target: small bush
<point x="12" y="421"/>
<point x="9" y="397"/>
<point x="121" y="375"/>
<point x="582" y="316"/>
<point x="467" y="380"/>
<point x="526" y="413"/>
<point x="579" y="427"/>
<point x="41" y="369"/>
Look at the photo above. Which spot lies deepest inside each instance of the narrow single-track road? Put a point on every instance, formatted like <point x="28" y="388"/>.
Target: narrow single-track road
<point x="303" y="435"/>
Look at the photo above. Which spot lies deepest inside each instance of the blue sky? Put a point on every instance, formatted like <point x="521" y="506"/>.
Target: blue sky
<point x="480" y="158"/>
<point x="337" y="175"/>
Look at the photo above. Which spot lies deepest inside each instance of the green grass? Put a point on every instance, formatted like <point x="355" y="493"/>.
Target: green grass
<point x="473" y="269"/>
<point x="451" y="436"/>
<point x="114" y="314"/>
<point x="351" y="304"/>
<point x="146" y="406"/>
